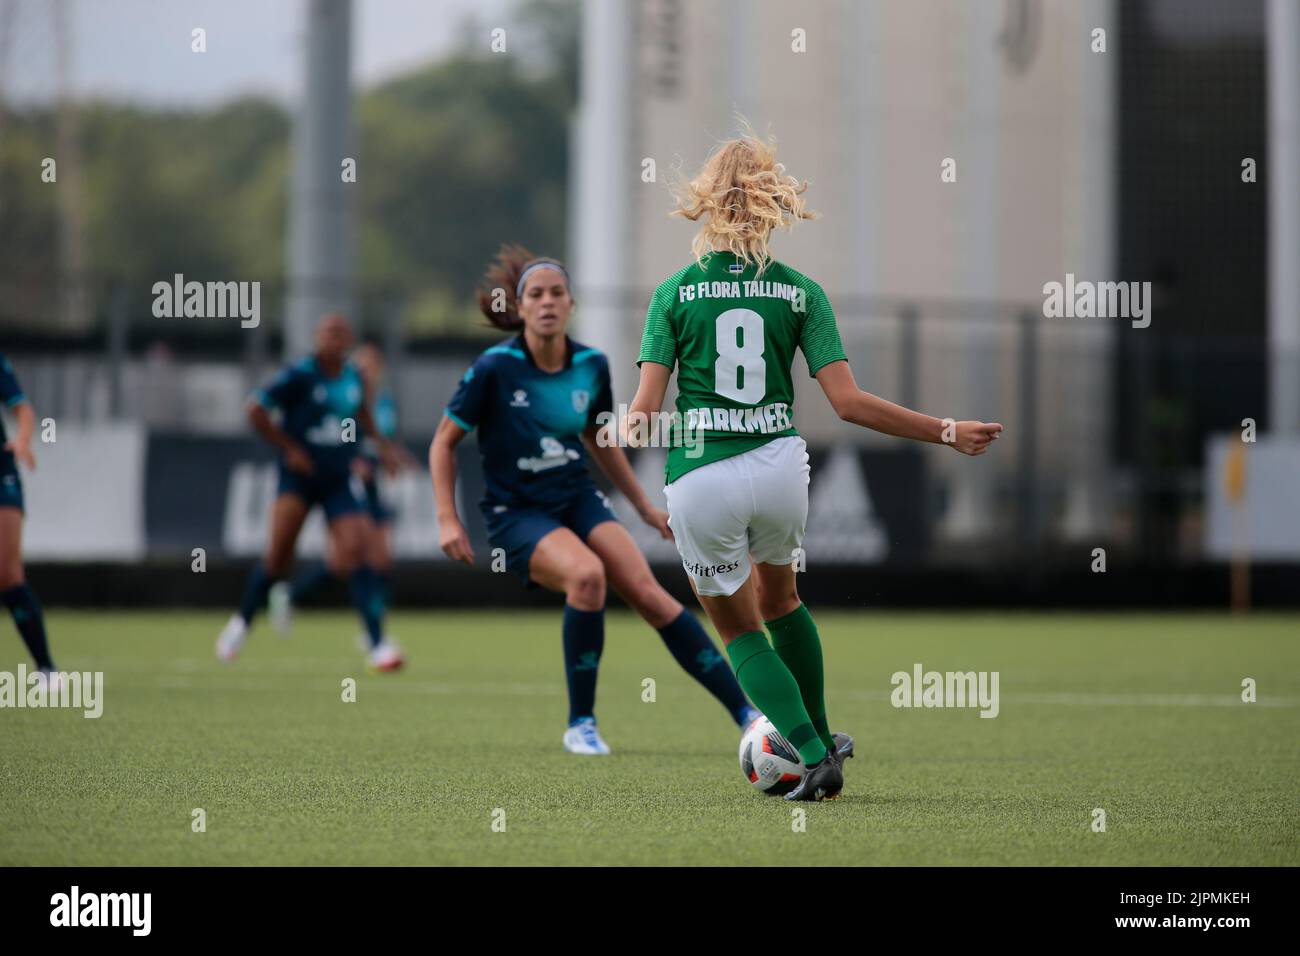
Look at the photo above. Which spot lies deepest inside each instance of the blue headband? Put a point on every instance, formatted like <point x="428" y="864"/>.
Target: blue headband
<point x="533" y="267"/>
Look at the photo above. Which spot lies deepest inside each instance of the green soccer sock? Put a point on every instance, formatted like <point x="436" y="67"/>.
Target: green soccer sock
<point x="774" y="691"/>
<point x="795" y="640"/>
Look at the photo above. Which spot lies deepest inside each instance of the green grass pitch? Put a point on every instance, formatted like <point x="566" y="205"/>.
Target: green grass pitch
<point x="1139" y="715"/>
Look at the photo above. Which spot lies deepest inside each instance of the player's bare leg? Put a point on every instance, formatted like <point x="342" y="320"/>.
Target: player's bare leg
<point x="629" y="574"/>
<point x="733" y="614"/>
<point x="11" y="548"/>
<point x="288" y="513"/>
<point x="561" y="562"/>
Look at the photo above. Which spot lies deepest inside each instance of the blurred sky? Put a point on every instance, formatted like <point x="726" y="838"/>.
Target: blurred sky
<point x="139" y="50"/>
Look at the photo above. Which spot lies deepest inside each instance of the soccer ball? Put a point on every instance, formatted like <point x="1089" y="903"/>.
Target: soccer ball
<point x="768" y="760"/>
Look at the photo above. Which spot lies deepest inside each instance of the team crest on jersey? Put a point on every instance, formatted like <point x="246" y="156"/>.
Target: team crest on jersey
<point x="581" y="399"/>
<point x="520" y="399"/>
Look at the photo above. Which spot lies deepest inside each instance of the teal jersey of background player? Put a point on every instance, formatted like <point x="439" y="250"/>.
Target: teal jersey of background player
<point x="384" y="413"/>
<point x="530" y="422"/>
<point x="315" y="408"/>
<point x="11" y="395"/>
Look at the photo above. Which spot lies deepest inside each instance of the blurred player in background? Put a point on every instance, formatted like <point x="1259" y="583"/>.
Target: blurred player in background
<point x="284" y="595"/>
<point x="535" y="399"/>
<point x="17" y="594"/>
<point x="323" y="411"/>
<point x="730" y="322"/>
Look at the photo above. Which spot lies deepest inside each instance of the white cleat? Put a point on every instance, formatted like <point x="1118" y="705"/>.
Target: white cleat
<point x="583" y="738"/>
<point x="232" y="637"/>
<point x="279" y="604"/>
<point x="385" y="656"/>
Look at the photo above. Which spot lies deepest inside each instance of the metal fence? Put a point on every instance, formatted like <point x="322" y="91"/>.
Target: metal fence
<point x="1106" y="424"/>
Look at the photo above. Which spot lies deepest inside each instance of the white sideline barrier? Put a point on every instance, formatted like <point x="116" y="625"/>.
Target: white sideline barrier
<point x="85" y="500"/>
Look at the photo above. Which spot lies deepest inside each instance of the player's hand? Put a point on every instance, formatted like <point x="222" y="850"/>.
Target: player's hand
<point x="974" y="438"/>
<point x="297" y="459"/>
<point x="23" y="452"/>
<point x="454" y="541"/>
<point x="658" y="519"/>
<point x="362" y="468"/>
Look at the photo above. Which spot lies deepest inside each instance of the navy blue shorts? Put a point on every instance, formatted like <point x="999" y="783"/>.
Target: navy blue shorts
<point x="517" y="530"/>
<point x="375" y="505"/>
<point x="338" y="495"/>
<point x="11" y="489"/>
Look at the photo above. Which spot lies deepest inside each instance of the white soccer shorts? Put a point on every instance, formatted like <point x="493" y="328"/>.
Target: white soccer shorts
<point x="750" y="504"/>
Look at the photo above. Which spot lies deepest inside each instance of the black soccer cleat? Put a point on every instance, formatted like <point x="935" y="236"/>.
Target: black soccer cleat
<point x="822" y="781"/>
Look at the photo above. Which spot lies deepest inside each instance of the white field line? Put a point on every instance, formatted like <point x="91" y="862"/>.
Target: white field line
<point x="393" y="683"/>
<point x="1077" y="699"/>
<point x="262" y="679"/>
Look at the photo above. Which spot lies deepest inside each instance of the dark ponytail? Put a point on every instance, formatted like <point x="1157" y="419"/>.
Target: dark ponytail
<point x="503" y="275"/>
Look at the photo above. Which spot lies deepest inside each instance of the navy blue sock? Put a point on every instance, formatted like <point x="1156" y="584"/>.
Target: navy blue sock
<point x="369" y="602"/>
<point x="688" y="642"/>
<point x="584" y="639"/>
<point x="255" y="590"/>
<point x="308" y="581"/>
<point x="26" y="611"/>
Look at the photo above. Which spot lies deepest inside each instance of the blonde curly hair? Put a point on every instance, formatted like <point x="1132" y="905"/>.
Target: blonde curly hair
<point x="742" y="194"/>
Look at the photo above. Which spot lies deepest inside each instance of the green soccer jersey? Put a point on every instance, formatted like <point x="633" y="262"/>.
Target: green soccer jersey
<point x="732" y="337"/>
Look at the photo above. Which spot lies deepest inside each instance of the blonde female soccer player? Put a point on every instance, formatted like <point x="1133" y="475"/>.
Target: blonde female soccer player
<point x="730" y="323"/>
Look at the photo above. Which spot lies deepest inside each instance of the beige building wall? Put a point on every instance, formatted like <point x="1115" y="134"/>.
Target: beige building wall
<point x="881" y="94"/>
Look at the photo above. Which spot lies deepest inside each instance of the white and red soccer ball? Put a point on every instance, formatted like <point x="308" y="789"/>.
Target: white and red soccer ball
<point x="769" y="762"/>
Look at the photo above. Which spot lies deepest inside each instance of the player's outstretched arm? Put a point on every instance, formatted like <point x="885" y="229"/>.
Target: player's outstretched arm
<point x="854" y="405"/>
<point x="610" y="458"/>
<point x="442" y="468"/>
<point x="649" y="398"/>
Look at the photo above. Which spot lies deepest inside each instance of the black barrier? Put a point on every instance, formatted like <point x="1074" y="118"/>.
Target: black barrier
<point x="170" y="582"/>
<point x="868" y="506"/>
